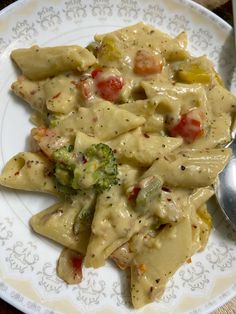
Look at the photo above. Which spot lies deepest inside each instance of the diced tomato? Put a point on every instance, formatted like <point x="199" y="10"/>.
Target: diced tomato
<point x="77" y="263"/>
<point x="96" y="72"/>
<point x="146" y="63"/>
<point x="109" y="88"/>
<point x="134" y="193"/>
<point x="188" y="127"/>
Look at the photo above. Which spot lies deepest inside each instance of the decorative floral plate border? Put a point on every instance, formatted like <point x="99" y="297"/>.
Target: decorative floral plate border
<point x="27" y="262"/>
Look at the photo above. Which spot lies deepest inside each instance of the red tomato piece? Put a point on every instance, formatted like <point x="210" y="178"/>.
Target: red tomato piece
<point x="147" y="63"/>
<point x="109" y="88"/>
<point x="188" y="127"/>
<point x="77" y="263"/>
<point x="134" y="193"/>
<point x="96" y="72"/>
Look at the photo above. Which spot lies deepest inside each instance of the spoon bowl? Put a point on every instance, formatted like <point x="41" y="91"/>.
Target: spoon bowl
<point x="226" y="187"/>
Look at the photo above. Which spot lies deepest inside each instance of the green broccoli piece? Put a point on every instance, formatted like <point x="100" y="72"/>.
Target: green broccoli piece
<point x="102" y="165"/>
<point x="96" y="168"/>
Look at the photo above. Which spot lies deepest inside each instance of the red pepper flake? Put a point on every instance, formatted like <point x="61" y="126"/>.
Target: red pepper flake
<point x="134" y="193"/>
<point x="17" y="173"/>
<point x="146" y="135"/>
<point x="84" y="160"/>
<point x="189" y="260"/>
<point x="57" y="95"/>
<point x="169" y="199"/>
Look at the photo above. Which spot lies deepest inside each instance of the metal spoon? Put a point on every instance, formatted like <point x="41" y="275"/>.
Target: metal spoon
<point x="226" y="184"/>
<point x="226" y="187"/>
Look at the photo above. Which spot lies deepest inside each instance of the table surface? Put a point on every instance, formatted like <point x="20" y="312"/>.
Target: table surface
<point x="229" y="308"/>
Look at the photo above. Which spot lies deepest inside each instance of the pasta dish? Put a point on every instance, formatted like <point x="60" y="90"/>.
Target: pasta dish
<point x="129" y="133"/>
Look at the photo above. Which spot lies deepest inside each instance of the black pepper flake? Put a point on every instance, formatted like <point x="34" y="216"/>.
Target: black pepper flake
<point x="165" y="189"/>
<point x="157" y="280"/>
<point x="182" y="167"/>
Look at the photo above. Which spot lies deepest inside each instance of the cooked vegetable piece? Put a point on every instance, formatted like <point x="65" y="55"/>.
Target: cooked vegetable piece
<point x="96" y="167"/>
<point x="147" y="63"/>
<point x="189" y="127"/>
<point x="192" y="73"/>
<point x="108" y="50"/>
<point x="150" y="192"/>
<point x="108" y="86"/>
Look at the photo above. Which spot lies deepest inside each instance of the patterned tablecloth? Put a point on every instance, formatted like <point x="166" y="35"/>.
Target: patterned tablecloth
<point x="225" y="12"/>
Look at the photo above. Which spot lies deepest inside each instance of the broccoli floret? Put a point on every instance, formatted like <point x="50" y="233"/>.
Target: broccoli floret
<point x="96" y="168"/>
<point x="64" y="157"/>
<point x="102" y="163"/>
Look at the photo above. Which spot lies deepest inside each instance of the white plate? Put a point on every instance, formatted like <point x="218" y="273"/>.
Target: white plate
<point x="27" y="261"/>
